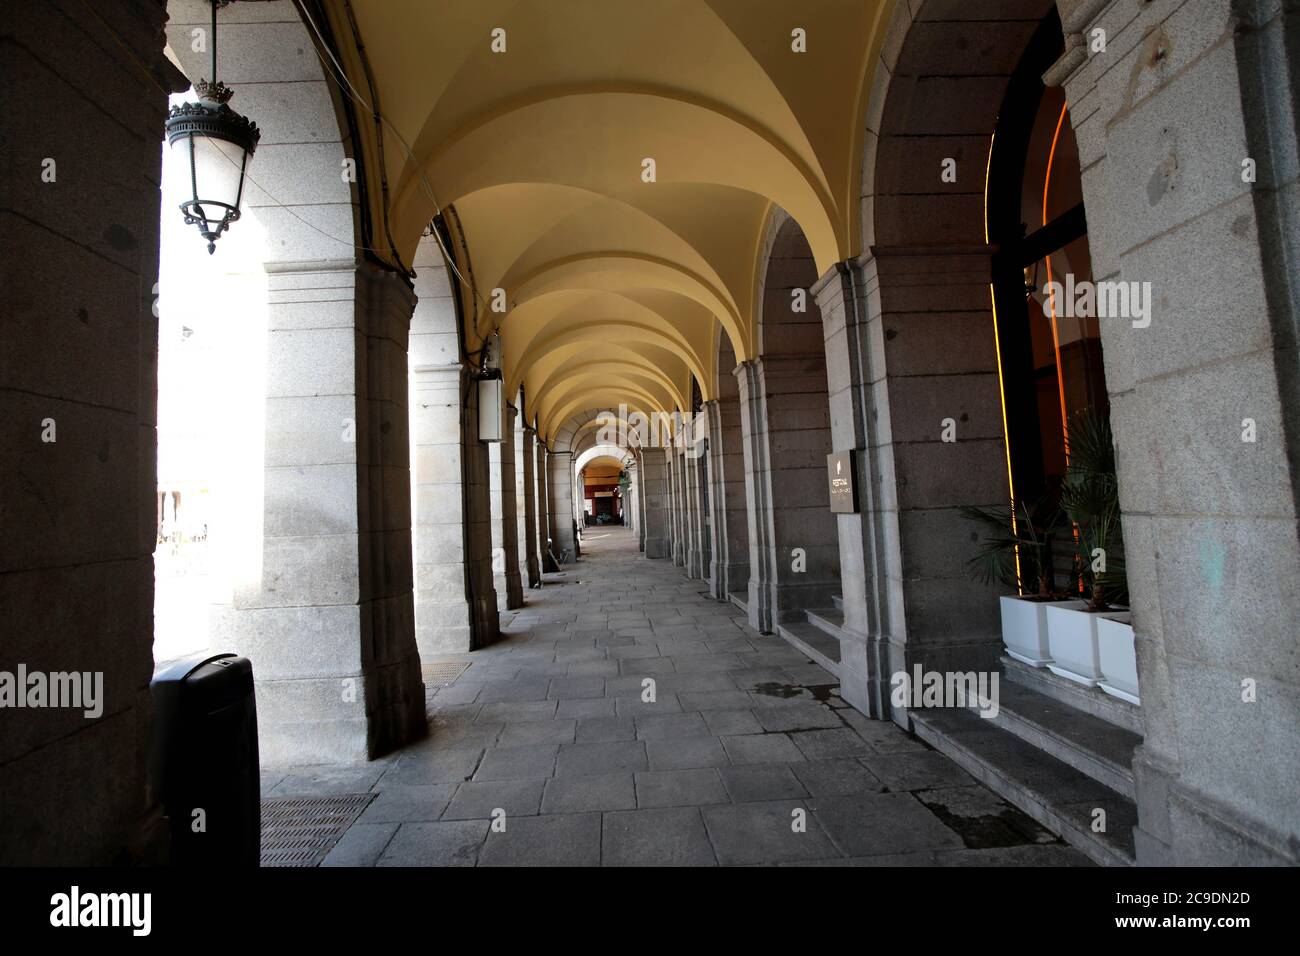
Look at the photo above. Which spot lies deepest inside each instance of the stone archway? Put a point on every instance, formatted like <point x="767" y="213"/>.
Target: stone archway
<point x="329" y="621"/>
<point x="925" y="278"/>
<point x="911" y="348"/>
<point x="453" y="611"/>
<point x="729" y="568"/>
<point x="785" y="424"/>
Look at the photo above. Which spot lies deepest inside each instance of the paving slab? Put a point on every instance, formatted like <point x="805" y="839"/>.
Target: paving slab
<point x="517" y="763"/>
<point x="482" y="799"/>
<point x="687" y="754"/>
<point x="747" y="755"/>
<point x="768" y="832"/>
<point x="761" y="748"/>
<point x="758" y="782"/>
<point x="607" y="791"/>
<point x="732" y="722"/>
<point x="866" y="824"/>
<point x="401" y="804"/>
<point x="454" y="843"/>
<point x="662" y="837"/>
<point x="557" y="839"/>
<point x="606" y="757"/>
<point x="680" y="788"/>
<point x="921" y="770"/>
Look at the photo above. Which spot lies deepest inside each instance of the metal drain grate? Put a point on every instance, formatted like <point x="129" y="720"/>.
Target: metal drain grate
<point x="300" y="831"/>
<point x="443" y="673"/>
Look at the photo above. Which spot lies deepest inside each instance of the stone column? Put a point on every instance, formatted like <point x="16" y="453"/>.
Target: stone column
<point x="761" y="596"/>
<point x="544" y="542"/>
<point x="528" y="537"/>
<point x="908" y="595"/>
<point x="505" y="518"/>
<point x="497" y="521"/>
<point x="805" y="543"/>
<point x="78" y="436"/>
<point x="631" y="503"/>
<point x="442" y="609"/>
<point x="523" y="489"/>
<point x="1205" y="404"/>
<point x="560" y="484"/>
<point x="677" y="499"/>
<point x="579" y="489"/>
<point x="695" y="561"/>
<point x="728" y="518"/>
<point x="326" y="610"/>
<point x="658" y="504"/>
<point x="640" y="502"/>
<point x="868" y="564"/>
<point x="485" y="617"/>
<point x="628" y="500"/>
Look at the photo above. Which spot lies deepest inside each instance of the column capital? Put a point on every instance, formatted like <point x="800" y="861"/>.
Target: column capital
<point x="434" y="376"/>
<point x="835" y="273"/>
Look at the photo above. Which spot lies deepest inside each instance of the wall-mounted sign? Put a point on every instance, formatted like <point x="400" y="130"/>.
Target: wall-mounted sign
<point x="841" y="476"/>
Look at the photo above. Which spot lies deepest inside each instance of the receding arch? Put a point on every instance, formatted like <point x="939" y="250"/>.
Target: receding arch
<point x="621" y="270"/>
<point x="745" y="156"/>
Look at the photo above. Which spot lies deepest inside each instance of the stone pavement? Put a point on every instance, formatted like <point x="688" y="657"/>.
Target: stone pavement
<point x="552" y="732"/>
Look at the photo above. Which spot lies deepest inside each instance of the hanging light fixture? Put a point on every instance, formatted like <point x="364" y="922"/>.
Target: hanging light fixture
<point x="1031" y="280"/>
<point x="217" y="144"/>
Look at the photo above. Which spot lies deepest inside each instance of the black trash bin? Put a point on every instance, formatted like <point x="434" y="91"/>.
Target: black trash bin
<point x="205" y="767"/>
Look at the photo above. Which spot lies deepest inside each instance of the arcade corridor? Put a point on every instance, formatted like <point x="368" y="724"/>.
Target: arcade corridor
<point x="937" y="358"/>
<point x="549" y="727"/>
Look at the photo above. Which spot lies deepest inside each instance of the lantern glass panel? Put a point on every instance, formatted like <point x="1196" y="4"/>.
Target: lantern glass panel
<point x="218" y="169"/>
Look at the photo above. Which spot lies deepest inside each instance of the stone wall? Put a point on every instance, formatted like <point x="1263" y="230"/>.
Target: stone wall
<point x="438" y="382"/>
<point x="1166" y="119"/>
<point x="79" y="357"/>
<point x="654" y="478"/>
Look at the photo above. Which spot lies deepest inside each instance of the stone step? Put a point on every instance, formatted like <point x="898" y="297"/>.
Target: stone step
<point x="740" y="599"/>
<point x="1089" y="744"/>
<point x="1090" y="700"/>
<point x="1052" y="792"/>
<point x="838" y="601"/>
<point x="813" y="641"/>
<point x="828" y="619"/>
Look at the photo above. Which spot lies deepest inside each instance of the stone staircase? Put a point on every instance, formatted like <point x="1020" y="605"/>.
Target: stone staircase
<point x="1056" y="750"/>
<point x="817" y="634"/>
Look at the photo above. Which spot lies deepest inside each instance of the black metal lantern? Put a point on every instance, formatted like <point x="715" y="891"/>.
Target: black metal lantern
<point x="218" y="144"/>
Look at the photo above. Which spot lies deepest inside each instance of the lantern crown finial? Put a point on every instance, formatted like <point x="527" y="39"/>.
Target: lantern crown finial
<point x="217" y="144"/>
<point x="213" y="91"/>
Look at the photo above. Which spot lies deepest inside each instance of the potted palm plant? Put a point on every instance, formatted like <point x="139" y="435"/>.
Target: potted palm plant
<point x="1017" y="551"/>
<point x="1090" y="501"/>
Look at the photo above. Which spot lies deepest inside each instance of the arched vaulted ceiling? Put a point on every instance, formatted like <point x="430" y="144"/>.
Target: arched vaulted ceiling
<point x="618" y="289"/>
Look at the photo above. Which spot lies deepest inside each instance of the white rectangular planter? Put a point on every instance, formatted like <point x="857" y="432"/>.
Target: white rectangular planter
<point x="1072" y="642"/>
<point x="1024" y="628"/>
<point x="1118" y="656"/>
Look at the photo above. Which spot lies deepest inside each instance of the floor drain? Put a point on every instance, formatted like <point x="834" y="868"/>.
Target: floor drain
<point x="300" y="831"/>
<point x="442" y="673"/>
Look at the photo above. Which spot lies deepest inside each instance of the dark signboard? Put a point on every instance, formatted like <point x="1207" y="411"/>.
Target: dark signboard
<point x="842" y="482"/>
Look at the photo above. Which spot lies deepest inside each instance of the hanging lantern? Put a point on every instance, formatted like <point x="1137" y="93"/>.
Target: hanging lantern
<point x="1031" y="280"/>
<point x="217" y="144"/>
